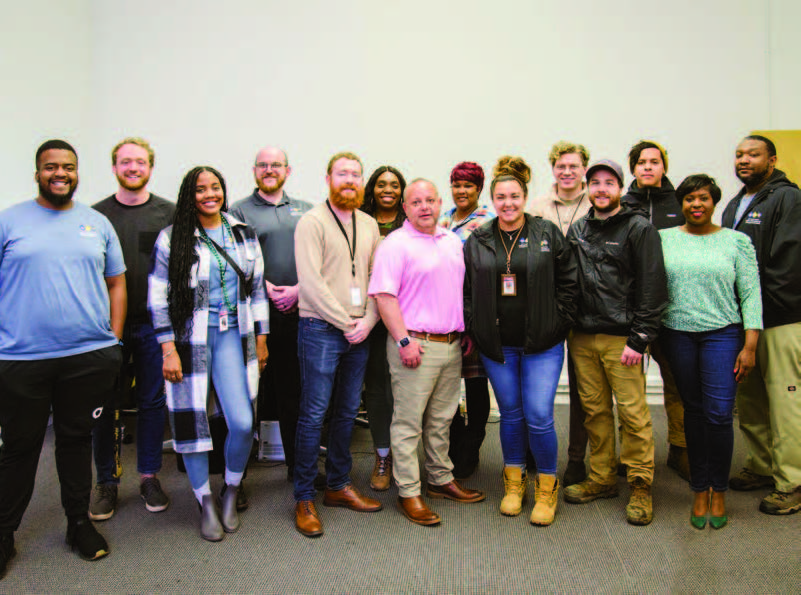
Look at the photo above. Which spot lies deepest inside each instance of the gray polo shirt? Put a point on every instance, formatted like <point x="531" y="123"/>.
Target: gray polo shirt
<point x="275" y="227"/>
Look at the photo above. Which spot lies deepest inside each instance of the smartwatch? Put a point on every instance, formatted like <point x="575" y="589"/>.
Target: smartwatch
<point x="403" y="342"/>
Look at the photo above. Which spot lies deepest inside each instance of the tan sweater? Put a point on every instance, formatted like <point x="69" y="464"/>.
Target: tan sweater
<point x="324" y="267"/>
<point x="559" y="211"/>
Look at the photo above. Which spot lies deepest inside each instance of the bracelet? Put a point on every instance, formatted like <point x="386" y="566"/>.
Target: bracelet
<point x="169" y="353"/>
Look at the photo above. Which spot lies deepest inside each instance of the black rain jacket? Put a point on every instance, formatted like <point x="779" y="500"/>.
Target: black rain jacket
<point x="773" y="222"/>
<point x="550" y="285"/>
<point x="622" y="282"/>
<point x="659" y="205"/>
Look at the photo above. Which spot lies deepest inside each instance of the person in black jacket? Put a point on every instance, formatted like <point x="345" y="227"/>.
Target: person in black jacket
<point x="652" y="193"/>
<point x="622" y="293"/>
<point x="520" y="291"/>
<point x="768" y="210"/>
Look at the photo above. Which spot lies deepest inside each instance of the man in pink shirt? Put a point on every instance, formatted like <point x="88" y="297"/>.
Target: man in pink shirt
<point x="417" y="280"/>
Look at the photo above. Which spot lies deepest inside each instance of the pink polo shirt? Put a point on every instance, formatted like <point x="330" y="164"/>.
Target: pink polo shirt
<point x="426" y="274"/>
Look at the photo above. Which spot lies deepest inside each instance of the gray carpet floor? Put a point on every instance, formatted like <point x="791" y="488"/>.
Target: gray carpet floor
<point x="589" y="549"/>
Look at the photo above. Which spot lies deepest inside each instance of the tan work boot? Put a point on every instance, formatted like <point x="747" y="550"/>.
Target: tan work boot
<point x="640" y="510"/>
<point x="546" y="492"/>
<point x="382" y="473"/>
<point x="515" y="483"/>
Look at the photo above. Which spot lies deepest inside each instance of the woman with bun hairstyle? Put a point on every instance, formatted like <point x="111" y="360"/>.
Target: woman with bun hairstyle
<point x="208" y="303"/>
<point x="467" y="435"/>
<point x="520" y="300"/>
<point x="382" y="201"/>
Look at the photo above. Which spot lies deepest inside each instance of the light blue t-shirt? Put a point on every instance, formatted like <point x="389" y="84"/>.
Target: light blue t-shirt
<point x="745" y="202"/>
<point x="216" y="299"/>
<point x="53" y="295"/>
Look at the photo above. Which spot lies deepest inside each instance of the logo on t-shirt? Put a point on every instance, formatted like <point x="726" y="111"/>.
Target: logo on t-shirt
<point x="544" y="246"/>
<point x="87" y="231"/>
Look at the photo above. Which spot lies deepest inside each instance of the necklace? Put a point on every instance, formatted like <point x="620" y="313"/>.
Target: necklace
<point x="222" y="264"/>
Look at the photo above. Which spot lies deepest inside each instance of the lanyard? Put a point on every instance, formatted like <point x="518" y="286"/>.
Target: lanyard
<point x="512" y="249"/>
<point x="352" y="249"/>
<point x="221" y="264"/>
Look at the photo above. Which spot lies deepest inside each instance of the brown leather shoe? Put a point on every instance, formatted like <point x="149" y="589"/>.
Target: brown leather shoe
<point x="382" y="473"/>
<point x="415" y="510"/>
<point x="349" y="497"/>
<point x="306" y="520"/>
<point x="453" y="491"/>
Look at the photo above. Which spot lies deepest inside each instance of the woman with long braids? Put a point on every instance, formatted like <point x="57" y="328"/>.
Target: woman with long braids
<point x="382" y="200"/>
<point x="520" y="300"/>
<point x="467" y="434"/>
<point x="208" y="303"/>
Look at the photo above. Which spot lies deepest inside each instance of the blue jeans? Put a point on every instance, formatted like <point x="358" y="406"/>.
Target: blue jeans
<point x="229" y="375"/>
<point x="331" y="372"/>
<point x="525" y="388"/>
<point x="704" y="364"/>
<point x="139" y="342"/>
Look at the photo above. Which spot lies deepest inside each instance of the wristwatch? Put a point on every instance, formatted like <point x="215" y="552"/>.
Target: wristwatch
<point x="403" y="342"/>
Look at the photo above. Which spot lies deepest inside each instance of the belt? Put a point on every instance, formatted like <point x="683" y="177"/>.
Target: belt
<point x="438" y="337"/>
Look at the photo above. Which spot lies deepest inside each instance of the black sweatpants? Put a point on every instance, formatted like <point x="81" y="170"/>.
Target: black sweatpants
<point x="75" y="389"/>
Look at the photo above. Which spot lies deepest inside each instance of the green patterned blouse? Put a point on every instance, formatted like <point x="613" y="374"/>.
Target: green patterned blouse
<point x="706" y="275"/>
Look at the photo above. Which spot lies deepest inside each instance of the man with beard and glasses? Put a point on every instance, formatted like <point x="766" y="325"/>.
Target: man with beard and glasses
<point x="137" y="216"/>
<point x="275" y="215"/>
<point x="334" y="247"/>
<point x="622" y="293"/>
<point x="768" y="210"/>
<point x="62" y="295"/>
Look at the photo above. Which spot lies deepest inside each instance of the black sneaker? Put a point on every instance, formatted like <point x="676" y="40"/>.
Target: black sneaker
<point x="155" y="498"/>
<point x="104" y="502"/>
<point x="7" y="551"/>
<point x="81" y="534"/>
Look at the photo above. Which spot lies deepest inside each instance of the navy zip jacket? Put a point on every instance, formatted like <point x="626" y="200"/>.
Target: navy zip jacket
<point x="622" y="282"/>
<point x="773" y="222"/>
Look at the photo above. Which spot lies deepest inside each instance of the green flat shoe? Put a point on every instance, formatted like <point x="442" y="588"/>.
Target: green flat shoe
<point x="718" y="522"/>
<point x="699" y="522"/>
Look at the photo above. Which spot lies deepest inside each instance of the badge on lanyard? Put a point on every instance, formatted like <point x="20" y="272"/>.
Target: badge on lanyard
<point x="509" y="279"/>
<point x="509" y="285"/>
<point x="223" y="319"/>
<point x="355" y="296"/>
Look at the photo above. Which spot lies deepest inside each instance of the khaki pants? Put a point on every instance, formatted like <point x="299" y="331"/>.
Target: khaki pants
<point x="769" y="406"/>
<point x="426" y="398"/>
<point x="674" y="408"/>
<point x="599" y="373"/>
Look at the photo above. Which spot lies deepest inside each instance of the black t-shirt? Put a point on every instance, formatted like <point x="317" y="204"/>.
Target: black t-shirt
<point x="137" y="227"/>
<point x="512" y="309"/>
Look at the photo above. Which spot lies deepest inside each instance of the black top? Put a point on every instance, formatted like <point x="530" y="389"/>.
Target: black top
<point x="549" y="282"/>
<point x="659" y="205"/>
<point x="137" y="227"/>
<point x="512" y="309"/>
<point x="773" y="222"/>
<point x="622" y="282"/>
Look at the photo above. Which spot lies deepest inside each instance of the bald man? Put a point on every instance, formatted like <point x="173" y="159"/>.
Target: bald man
<point x="417" y="281"/>
<point x="274" y="215"/>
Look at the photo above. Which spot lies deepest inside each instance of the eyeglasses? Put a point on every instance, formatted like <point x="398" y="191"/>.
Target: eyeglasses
<point x="562" y="167"/>
<point x="274" y="165"/>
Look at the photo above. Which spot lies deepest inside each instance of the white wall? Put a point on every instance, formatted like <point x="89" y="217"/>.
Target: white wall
<point x="419" y="84"/>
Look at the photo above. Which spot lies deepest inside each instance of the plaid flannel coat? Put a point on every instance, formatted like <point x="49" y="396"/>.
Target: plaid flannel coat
<point x="191" y="401"/>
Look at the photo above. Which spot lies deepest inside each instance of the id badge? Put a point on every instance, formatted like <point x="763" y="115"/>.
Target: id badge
<point x="509" y="285"/>
<point x="223" y="320"/>
<point x="355" y="296"/>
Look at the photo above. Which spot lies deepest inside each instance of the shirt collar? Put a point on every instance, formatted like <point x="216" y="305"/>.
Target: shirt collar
<point x="438" y="230"/>
<point x="260" y="200"/>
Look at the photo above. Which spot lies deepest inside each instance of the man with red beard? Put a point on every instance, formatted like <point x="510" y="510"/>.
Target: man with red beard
<point x="137" y="216"/>
<point x="334" y="247"/>
<point x="275" y="215"/>
<point x="62" y="295"/>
